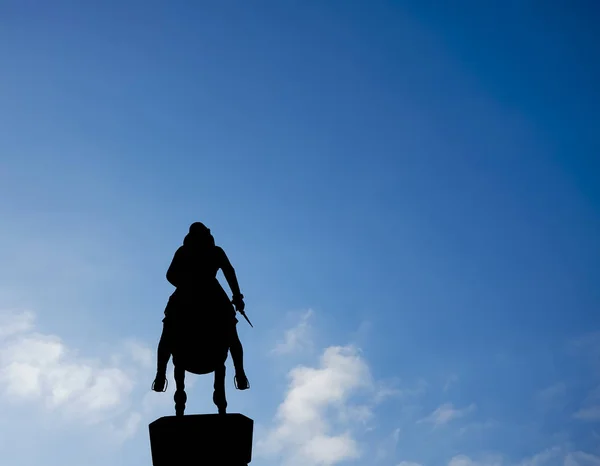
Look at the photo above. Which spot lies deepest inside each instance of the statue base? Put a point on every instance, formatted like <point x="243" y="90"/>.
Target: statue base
<point x="202" y="439"/>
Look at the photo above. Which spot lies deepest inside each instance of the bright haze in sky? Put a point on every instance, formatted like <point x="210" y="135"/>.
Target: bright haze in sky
<point x="409" y="192"/>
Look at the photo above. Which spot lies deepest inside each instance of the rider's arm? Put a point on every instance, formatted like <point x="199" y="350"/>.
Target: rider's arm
<point x="229" y="273"/>
<point x="174" y="271"/>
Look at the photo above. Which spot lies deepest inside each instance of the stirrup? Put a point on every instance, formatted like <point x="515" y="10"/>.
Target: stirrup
<point x="239" y="387"/>
<point x="165" y="387"/>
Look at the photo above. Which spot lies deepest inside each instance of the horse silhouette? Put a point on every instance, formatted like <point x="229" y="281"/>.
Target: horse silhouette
<point x="200" y="346"/>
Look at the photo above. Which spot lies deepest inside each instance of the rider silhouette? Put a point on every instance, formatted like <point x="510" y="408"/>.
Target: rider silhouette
<point x="193" y="272"/>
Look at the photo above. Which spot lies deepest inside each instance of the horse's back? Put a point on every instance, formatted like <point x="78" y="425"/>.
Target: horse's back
<point x="201" y="342"/>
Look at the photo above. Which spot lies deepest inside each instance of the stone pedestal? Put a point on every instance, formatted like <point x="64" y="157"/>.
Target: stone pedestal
<point x="202" y="440"/>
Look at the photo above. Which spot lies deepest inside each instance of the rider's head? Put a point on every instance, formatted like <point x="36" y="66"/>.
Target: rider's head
<point x="199" y="235"/>
<point x="197" y="228"/>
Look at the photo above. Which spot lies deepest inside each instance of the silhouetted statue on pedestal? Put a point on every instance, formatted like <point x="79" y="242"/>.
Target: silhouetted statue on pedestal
<point x="199" y="327"/>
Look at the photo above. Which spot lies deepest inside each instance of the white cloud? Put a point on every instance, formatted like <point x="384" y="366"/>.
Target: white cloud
<point x="296" y="338"/>
<point x="41" y="368"/>
<point x="322" y="449"/>
<point x="542" y="458"/>
<point x="303" y="432"/>
<point x="445" y="413"/>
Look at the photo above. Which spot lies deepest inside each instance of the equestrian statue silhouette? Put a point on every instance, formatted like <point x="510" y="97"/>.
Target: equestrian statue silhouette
<point x="199" y="327"/>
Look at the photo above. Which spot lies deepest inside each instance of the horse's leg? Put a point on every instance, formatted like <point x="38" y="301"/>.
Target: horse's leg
<point x="219" y="393"/>
<point x="180" y="395"/>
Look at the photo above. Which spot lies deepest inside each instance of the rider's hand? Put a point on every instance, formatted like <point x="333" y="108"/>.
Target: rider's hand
<point x="238" y="302"/>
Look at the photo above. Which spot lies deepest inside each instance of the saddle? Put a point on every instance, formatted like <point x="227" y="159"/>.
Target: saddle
<point x="201" y="342"/>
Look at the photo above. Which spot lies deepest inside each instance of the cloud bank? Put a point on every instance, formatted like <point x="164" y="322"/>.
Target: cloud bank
<point x="41" y="369"/>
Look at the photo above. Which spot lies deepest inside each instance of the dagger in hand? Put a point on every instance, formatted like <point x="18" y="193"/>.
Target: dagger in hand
<point x="246" y="317"/>
<point x="239" y="306"/>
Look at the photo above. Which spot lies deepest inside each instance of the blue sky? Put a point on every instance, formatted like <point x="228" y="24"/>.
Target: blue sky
<point x="409" y="192"/>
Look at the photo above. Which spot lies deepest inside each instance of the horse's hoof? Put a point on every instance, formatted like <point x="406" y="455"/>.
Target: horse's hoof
<point x="160" y="383"/>
<point x="241" y="382"/>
